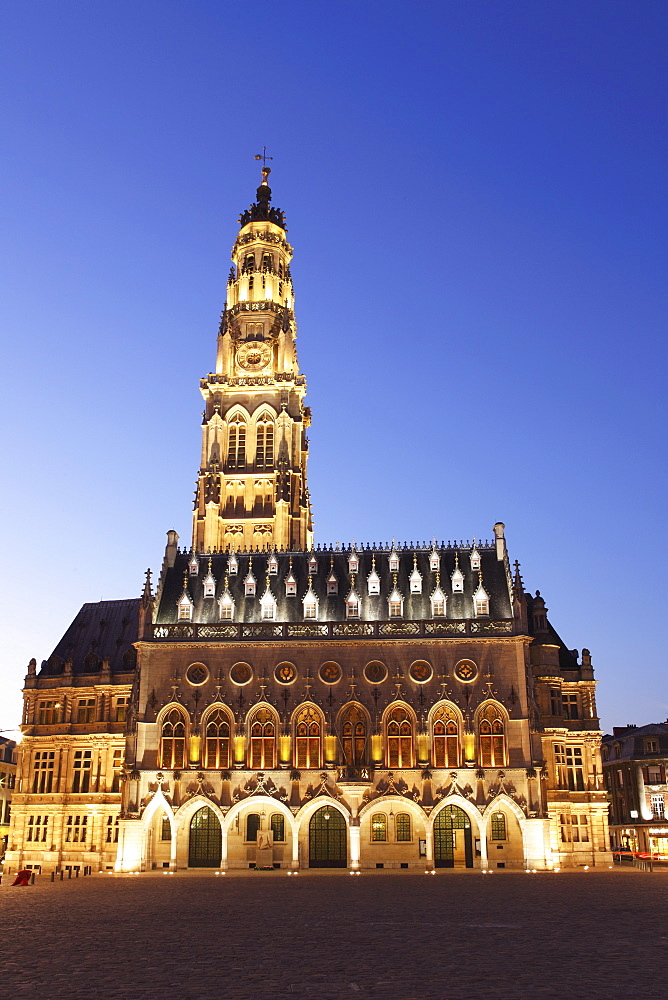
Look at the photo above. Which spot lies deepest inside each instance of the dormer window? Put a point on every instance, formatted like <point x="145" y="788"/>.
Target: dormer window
<point x="457" y="578"/>
<point x="312" y="564"/>
<point x="310" y="604"/>
<point x="233" y="565"/>
<point x="373" y="582"/>
<point x="193" y="566"/>
<point x="185" y="609"/>
<point x="226" y="607"/>
<point x="434" y="561"/>
<point x="249" y="584"/>
<point x="268" y="606"/>
<point x="395" y="604"/>
<point x="352" y="605"/>
<point x="415" y="580"/>
<point x="290" y="585"/>
<point x="394" y="562"/>
<point x="480" y="601"/>
<point x="209" y="584"/>
<point x="272" y="565"/>
<point x="353" y="562"/>
<point x="475" y="559"/>
<point x="438" y="603"/>
<point x="332" y="583"/>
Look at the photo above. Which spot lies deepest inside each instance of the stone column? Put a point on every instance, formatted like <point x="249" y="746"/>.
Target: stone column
<point x="355" y="843"/>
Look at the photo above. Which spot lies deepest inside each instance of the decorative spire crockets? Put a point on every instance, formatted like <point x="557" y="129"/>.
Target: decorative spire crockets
<point x="251" y="488"/>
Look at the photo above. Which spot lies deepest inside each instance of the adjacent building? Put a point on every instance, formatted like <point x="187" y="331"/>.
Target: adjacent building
<point x="8" y="756"/>
<point x="281" y="702"/>
<point x="635" y="761"/>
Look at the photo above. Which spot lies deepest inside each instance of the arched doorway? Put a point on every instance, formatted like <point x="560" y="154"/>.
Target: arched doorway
<point x="206" y="841"/>
<point x="327" y="846"/>
<point x="453" y="844"/>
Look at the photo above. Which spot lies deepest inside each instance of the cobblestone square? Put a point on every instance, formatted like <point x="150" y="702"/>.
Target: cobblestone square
<point x="263" y="935"/>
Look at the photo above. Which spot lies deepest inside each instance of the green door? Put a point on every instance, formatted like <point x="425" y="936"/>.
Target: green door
<point x="327" y="839"/>
<point x="206" y="840"/>
<point x="452" y="838"/>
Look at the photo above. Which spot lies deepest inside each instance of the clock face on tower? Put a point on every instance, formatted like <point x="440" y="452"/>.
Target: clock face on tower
<point x="253" y="356"/>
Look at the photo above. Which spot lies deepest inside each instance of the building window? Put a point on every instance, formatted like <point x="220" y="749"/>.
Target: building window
<point x="165" y="829"/>
<point x="574" y="829"/>
<point x="76" y="829"/>
<point x="651" y="746"/>
<point x="394" y="562"/>
<point x="438" y="607"/>
<point x="217" y="742"/>
<point x="268" y="610"/>
<point x="499" y="826"/>
<point x="278" y="827"/>
<point x="173" y="742"/>
<point x="290" y="585"/>
<point x="185" y="610"/>
<point x="445" y="738"/>
<point x="403" y="827"/>
<point x="353" y="563"/>
<point x="569" y="704"/>
<point x="654" y="776"/>
<point x="116" y="766"/>
<point x="307" y="739"/>
<point x="226" y="608"/>
<point x="236" y="444"/>
<point x="555" y="702"/>
<point x="491" y="737"/>
<point x="46" y="713"/>
<point x="249" y="585"/>
<point x="37" y="828"/>
<point x="560" y="765"/>
<point x="395" y="609"/>
<point x="262" y="740"/>
<point x="332" y="584"/>
<point x="379" y="827"/>
<point x="42" y="778"/>
<point x="310" y="609"/>
<point x="353" y="735"/>
<point x="399" y="738"/>
<point x="620" y="778"/>
<point x="481" y="606"/>
<point x="252" y="826"/>
<point x="658" y="807"/>
<point x="112" y="829"/>
<point x="264" y="453"/>
<point x="373" y="583"/>
<point x="83" y="762"/>
<point x="352" y="608"/>
<point x="575" y="769"/>
<point x="121" y="709"/>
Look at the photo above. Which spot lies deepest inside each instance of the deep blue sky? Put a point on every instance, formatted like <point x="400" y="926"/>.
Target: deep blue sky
<point x="476" y="196"/>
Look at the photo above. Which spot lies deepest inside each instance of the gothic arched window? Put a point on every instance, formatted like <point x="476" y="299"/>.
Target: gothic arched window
<point x="262" y="740"/>
<point x="491" y="737"/>
<point x="217" y="742"/>
<point x="499" y="826"/>
<point x="264" y="452"/>
<point x="307" y="738"/>
<point x="236" y="443"/>
<point x="445" y="737"/>
<point x="379" y="827"/>
<point x="399" y="738"/>
<point x="403" y="827"/>
<point x="173" y="741"/>
<point x="353" y="735"/>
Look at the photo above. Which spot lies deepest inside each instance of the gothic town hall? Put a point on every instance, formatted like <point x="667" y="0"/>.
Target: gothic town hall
<point x="280" y="702"/>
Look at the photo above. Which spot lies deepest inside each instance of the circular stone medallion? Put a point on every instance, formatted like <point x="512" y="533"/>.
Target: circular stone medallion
<point x="197" y="674"/>
<point x="466" y="670"/>
<point x="285" y="673"/>
<point x="421" y="671"/>
<point x="375" y="672"/>
<point x="330" y="672"/>
<point x="241" y="673"/>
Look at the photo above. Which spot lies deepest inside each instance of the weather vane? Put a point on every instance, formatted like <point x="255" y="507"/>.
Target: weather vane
<point x="263" y="156"/>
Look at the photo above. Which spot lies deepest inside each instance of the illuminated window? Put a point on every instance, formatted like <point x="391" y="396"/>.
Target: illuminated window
<point x="121" y="709"/>
<point x="81" y="770"/>
<point x="249" y="584"/>
<point x="574" y="828"/>
<point x="394" y="562"/>
<point x="264" y="452"/>
<point x="312" y="565"/>
<point x="307" y="739"/>
<point x="173" y="741"/>
<point x="185" y="609"/>
<point x="86" y="710"/>
<point x="658" y="806"/>
<point x="403" y="827"/>
<point x="491" y="737"/>
<point x="415" y="581"/>
<point x="575" y="769"/>
<point x="395" y="609"/>
<point x="116" y="767"/>
<point x="217" y="742"/>
<point x="434" y="561"/>
<point x="499" y="826"/>
<point x="209" y="584"/>
<point x="233" y="565"/>
<point x="373" y="583"/>
<point x="76" y="829"/>
<point x="278" y="827"/>
<point x="438" y="609"/>
<point x="42" y="779"/>
<point x="332" y="583"/>
<point x="268" y="605"/>
<point x="165" y="829"/>
<point x="399" y="738"/>
<point x="310" y="609"/>
<point x="379" y="827"/>
<point x="193" y="565"/>
<point x="353" y="562"/>
<point x="445" y="737"/>
<point x="46" y="713"/>
<point x="272" y="565"/>
<point x="560" y="765"/>
<point x="353" y="735"/>
<point x="475" y="559"/>
<point x="570" y="708"/>
<point x="290" y="585"/>
<point x="249" y="263"/>
<point x="37" y="828"/>
<point x="352" y="607"/>
<point x="236" y="443"/>
<point x="112" y="830"/>
<point x="226" y="607"/>
<point x="262" y="740"/>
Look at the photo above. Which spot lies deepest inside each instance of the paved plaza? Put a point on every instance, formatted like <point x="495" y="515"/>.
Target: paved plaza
<point x="318" y="936"/>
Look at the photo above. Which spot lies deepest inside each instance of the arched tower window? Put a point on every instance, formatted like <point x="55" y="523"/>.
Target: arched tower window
<point x="262" y="740"/>
<point x="445" y="737"/>
<point x="399" y="738"/>
<point x="353" y="735"/>
<point x="173" y="741"/>
<point x="217" y="742"/>
<point x="264" y="452"/>
<point x="491" y="737"/>
<point x="307" y="738"/>
<point x="236" y="443"/>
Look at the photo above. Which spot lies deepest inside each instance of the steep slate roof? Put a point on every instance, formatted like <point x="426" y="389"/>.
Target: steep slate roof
<point x="332" y="607"/>
<point x="102" y="631"/>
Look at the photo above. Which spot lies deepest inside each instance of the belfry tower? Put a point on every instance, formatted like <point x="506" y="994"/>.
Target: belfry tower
<point x="251" y="488"/>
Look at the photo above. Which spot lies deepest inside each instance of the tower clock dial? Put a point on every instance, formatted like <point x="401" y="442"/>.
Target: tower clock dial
<point x="253" y="356"/>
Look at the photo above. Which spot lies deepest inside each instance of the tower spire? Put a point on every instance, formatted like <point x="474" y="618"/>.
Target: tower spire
<point x="251" y="488"/>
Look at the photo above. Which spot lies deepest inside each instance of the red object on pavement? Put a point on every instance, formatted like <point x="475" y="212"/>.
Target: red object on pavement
<point x="22" y="877"/>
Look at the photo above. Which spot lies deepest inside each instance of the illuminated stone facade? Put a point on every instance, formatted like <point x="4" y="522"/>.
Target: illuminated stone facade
<point x="353" y="706"/>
